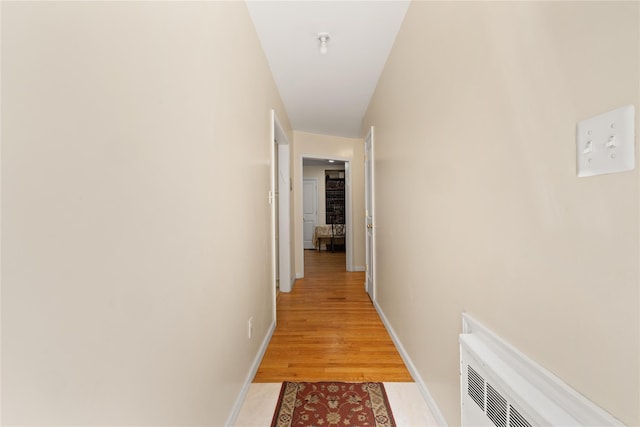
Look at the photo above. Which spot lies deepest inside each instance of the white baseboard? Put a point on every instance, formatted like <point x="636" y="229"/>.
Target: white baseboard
<point x="359" y="268"/>
<point x="435" y="410"/>
<point x="252" y="373"/>
<point x="299" y="275"/>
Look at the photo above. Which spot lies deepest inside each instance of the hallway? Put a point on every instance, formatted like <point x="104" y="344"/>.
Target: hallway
<point x="140" y="151"/>
<point x="327" y="329"/>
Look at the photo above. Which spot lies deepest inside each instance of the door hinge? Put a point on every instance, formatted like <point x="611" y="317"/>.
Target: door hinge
<point x="271" y="197"/>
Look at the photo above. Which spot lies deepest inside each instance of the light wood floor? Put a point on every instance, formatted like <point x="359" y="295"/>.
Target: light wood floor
<point x="328" y="330"/>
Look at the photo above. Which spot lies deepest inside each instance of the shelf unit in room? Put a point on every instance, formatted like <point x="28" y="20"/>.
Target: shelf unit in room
<point x="334" y="197"/>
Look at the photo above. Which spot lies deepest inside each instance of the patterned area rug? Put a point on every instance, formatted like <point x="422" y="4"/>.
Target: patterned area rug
<point x="333" y="403"/>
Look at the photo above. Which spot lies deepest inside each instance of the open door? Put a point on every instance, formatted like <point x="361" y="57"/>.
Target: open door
<point x="369" y="215"/>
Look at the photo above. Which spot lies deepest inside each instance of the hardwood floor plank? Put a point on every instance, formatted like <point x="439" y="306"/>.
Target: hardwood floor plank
<point x="328" y="330"/>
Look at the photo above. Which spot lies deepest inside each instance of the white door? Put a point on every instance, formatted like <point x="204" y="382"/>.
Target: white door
<point x="368" y="200"/>
<point x="309" y="211"/>
<point x="284" y="224"/>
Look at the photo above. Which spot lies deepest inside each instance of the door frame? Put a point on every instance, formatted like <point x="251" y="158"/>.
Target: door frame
<point x="369" y="184"/>
<point x="280" y="199"/>
<point x="347" y="207"/>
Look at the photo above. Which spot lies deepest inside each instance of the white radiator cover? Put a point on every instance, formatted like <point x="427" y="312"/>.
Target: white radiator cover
<point x="501" y="387"/>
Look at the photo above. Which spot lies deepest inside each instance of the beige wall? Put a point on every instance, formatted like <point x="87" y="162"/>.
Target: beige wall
<point x="318" y="173"/>
<point x="478" y="205"/>
<point x="329" y="147"/>
<point x="135" y="218"/>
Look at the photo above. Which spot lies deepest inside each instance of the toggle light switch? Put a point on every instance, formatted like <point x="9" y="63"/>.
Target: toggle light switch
<point x="605" y="143"/>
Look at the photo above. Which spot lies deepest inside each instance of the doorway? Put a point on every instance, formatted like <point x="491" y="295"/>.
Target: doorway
<point x="280" y="199"/>
<point x="369" y="215"/>
<point x="328" y="174"/>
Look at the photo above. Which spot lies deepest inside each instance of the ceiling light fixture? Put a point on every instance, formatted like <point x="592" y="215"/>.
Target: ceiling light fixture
<point x="332" y="161"/>
<point x="323" y="38"/>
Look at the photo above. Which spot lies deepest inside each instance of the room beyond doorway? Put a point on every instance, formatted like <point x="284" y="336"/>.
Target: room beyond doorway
<point x="326" y="206"/>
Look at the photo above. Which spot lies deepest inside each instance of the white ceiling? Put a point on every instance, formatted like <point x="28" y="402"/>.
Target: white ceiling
<point x="327" y="94"/>
<point x="306" y="161"/>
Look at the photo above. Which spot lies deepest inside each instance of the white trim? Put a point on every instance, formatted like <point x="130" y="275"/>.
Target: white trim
<point x="359" y="268"/>
<point x="431" y="403"/>
<point x="272" y="189"/>
<point x="284" y="204"/>
<point x="374" y="239"/>
<point x="477" y="338"/>
<point x="348" y="218"/>
<point x="299" y="276"/>
<point x="235" y="410"/>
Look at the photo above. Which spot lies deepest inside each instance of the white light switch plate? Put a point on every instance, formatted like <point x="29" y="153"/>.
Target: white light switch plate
<point x="605" y="143"/>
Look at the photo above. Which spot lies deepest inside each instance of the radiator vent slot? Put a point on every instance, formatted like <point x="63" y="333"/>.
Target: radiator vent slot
<point x="517" y="420"/>
<point x="496" y="407"/>
<point x="498" y="410"/>
<point x="476" y="387"/>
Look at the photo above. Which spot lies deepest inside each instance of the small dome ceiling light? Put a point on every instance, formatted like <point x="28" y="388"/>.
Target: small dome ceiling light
<point x="323" y="38"/>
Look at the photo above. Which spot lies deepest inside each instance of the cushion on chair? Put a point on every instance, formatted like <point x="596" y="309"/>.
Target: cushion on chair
<point x="339" y="230"/>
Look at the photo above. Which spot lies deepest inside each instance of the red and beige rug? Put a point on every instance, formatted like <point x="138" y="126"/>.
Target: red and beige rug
<point x="332" y="403"/>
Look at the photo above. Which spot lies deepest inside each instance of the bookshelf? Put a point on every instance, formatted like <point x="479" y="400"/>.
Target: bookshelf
<point x="334" y="197"/>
